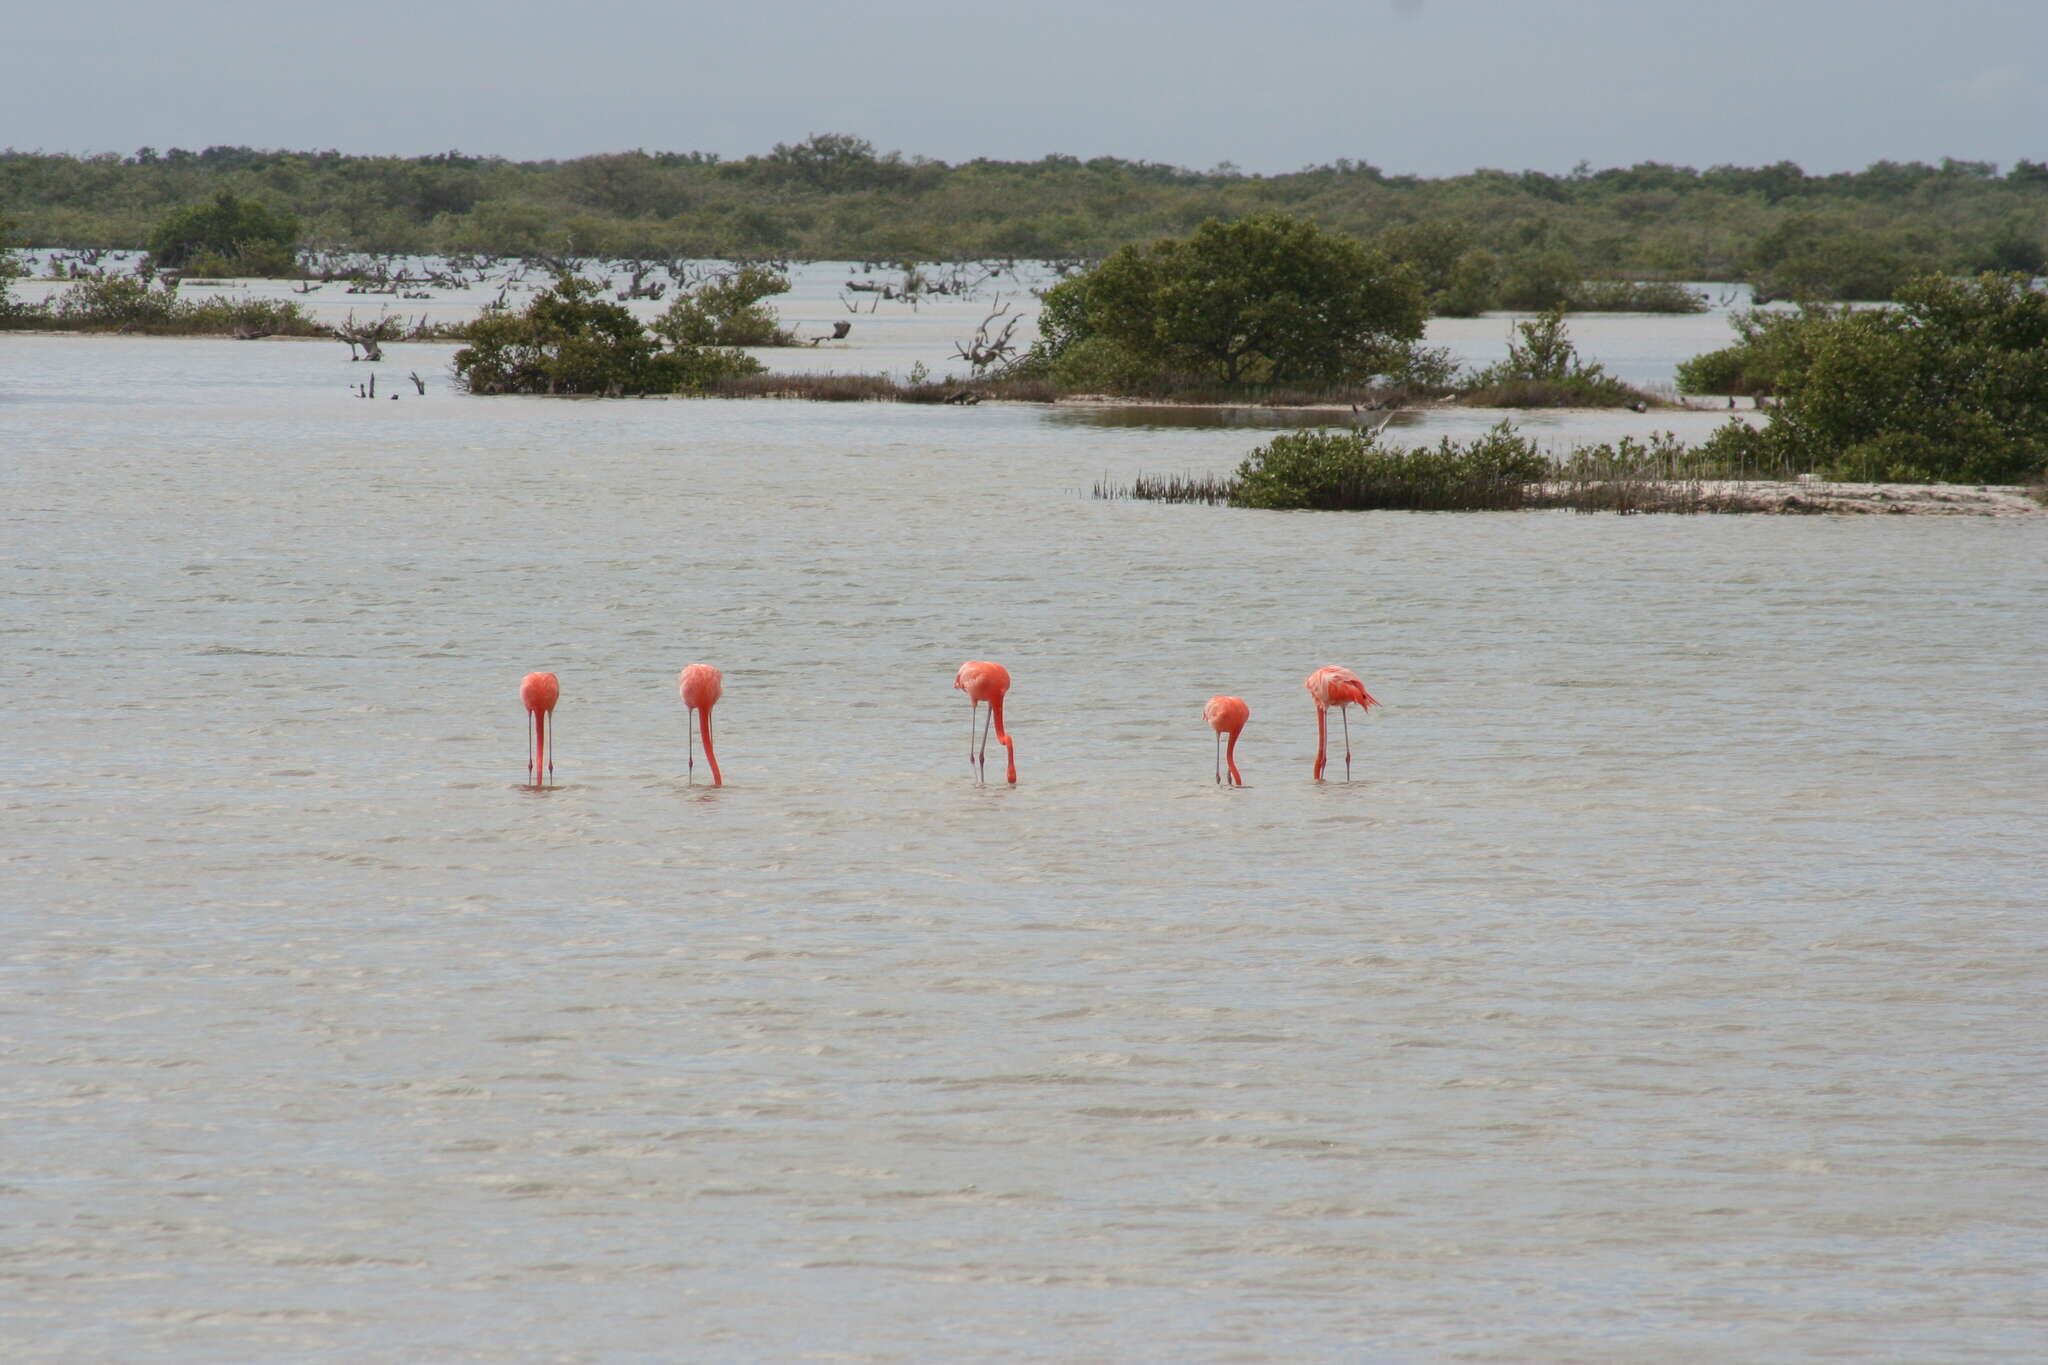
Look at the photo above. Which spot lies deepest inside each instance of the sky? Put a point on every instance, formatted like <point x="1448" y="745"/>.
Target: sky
<point x="1423" y="87"/>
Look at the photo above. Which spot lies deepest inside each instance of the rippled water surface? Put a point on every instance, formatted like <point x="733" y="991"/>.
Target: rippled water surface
<point x="1666" y="985"/>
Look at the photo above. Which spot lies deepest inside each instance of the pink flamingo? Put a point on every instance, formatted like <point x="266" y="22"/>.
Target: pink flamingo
<point x="540" y="692"/>
<point x="983" y="681"/>
<point x="701" y="686"/>
<point x="1226" y="716"/>
<point x="1339" y="687"/>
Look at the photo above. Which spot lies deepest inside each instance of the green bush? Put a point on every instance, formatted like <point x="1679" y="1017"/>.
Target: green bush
<point x="228" y="229"/>
<point x="1543" y="369"/>
<point x="570" y="340"/>
<point x="1950" y="386"/>
<point x="1267" y="299"/>
<point x="1773" y="348"/>
<point x="727" y="311"/>
<point x="125" y="303"/>
<point x="1473" y="286"/>
<point x="1331" y="470"/>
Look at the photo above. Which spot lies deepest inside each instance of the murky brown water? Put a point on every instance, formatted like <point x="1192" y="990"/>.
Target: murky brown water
<point x="1668" y="984"/>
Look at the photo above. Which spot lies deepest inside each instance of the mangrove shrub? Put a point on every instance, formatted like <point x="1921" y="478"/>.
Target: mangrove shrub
<point x="1266" y="299"/>
<point x="230" y="236"/>
<point x="727" y="311"/>
<point x="1351" y="469"/>
<point x="1949" y="386"/>
<point x="571" y="340"/>
<point x="1543" y="369"/>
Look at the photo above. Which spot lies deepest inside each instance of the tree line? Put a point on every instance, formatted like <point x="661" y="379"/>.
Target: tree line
<point x="1491" y="238"/>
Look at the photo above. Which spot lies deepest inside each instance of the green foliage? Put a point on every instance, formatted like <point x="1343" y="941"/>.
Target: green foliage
<point x="1433" y="251"/>
<point x="11" y="268"/>
<point x="1331" y="470"/>
<point x="1952" y="385"/>
<point x="835" y="196"/>
<point x="125" y="303"/>
<point x="1663" y="456"/>
<point x="1472" y="287"/>
<point x="1808" y="257"/>
<point x="1266" y="299"/>
<point x="727" y="311"/>
<point x="1533" y="281"/>
<point x="1543" y="369"/>
<point x="1635" y="296"/>
<point x="1773" y="348"/>
<point x="231" y="236"/>
<point x="570" y="340"/>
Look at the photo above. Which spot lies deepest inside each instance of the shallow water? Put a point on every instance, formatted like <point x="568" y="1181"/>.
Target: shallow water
<point x="1666" y="984"/>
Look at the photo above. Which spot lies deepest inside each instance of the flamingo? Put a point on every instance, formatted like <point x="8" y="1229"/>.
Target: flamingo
<point x="540" y="692"/>
<point x="1339" y="687"/>
<point x="1227" y="715"/>
<point x="983" y="681"/>
<point x="700" y="686"/>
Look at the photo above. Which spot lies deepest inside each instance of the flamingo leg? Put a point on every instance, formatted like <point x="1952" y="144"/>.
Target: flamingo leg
<point x="1219" y="757"/>
<point x="987" y="724"/>
<point x="1344" y="714"/>
<point x="973" y="715"/>
<point x="1322" y="740"/>
<point x="1236" y="777"/>
<point x="691" y="735"/>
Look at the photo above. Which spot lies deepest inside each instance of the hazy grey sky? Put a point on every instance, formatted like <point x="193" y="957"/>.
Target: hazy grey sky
<point x="1432" y="87"/>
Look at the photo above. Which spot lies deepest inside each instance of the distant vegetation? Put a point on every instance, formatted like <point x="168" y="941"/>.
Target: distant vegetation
<point x="1493" y="238"/>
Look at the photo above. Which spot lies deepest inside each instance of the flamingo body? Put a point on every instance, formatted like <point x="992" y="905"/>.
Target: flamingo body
<point x="539" y="692"/>
<point x="1339" y="687"/>
<point x="700" y="686"/>
<point x="983" y="681"/>
<point x="1226" y="716"/>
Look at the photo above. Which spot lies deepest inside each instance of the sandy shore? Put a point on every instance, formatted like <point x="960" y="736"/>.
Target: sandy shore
<point x="1855" y="499"/>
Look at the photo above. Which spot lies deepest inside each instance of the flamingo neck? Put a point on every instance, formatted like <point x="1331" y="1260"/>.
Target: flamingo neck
<point x="995" y="707"/>
<point x="704" y="729"/>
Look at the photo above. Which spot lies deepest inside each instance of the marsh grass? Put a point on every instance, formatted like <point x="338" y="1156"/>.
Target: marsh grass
<point x="1215" y="489"/>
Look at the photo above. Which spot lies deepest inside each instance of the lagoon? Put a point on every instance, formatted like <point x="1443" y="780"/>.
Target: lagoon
<point x="1665" y="985"/>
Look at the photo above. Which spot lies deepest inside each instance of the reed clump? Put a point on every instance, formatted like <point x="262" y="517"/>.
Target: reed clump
<point x="1215" y="489"/>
